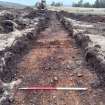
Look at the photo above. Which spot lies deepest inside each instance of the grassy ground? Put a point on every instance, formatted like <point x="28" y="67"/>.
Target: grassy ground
<point x="97" y="11"/>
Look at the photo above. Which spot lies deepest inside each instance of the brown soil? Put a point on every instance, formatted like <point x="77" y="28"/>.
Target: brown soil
<point x="56" y="55"/>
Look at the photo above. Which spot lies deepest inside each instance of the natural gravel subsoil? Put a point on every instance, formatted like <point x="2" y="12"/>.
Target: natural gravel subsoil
<point x="56" y="60"/>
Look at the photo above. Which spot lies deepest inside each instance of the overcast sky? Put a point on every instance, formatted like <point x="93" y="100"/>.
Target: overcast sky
<point x="32" y="2"/>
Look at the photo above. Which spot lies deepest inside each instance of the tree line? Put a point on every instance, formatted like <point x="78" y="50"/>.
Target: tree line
<point x="56" y="4"/>
<point x="97" y="4"/>
<point x="81" y="3"/>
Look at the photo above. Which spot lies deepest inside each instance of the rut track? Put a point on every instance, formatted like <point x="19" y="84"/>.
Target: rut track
<point x="56" y="55"/>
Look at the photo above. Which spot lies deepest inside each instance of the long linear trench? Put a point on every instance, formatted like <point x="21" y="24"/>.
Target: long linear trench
<point x="56" y="60"/>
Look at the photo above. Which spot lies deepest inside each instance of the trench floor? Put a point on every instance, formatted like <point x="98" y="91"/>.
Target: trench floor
<point x="56" y="60"/>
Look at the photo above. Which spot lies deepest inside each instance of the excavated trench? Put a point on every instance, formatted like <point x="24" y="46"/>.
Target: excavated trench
<point x="53" y="58"/>
<point x="56" y="60"/>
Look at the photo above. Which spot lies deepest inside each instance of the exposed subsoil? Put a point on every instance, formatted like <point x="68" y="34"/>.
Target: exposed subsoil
<point x="56" y="60"/>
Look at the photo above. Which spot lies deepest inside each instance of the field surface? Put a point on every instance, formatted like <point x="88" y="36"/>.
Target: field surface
<point x="95" y="11"/>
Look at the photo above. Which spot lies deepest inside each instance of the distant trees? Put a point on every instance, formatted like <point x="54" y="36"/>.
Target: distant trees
<point x="56" y="4"/>
<point x="79" y="4"/>
<point x="97" y="4"/>
<point x="87" y="4"/>
<point x="82" y="4"/>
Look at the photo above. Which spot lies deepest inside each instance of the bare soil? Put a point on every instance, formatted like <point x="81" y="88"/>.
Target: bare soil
<point x="56" y="60"/>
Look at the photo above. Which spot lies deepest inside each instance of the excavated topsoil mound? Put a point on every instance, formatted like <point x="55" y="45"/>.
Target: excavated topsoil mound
<point x="16" y="38"/>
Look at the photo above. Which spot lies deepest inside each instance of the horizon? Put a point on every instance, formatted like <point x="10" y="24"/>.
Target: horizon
<point x="32" y="2"/>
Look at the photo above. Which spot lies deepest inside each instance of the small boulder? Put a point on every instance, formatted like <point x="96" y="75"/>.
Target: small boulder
<point x="80" y="75"/>
<point x="7" y="26"/>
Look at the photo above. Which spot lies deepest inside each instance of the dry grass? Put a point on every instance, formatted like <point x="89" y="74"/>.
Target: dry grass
<point x="97" y="11"/>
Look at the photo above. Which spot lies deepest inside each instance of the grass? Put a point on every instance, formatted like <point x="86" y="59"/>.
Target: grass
<point x="97" y="11"/>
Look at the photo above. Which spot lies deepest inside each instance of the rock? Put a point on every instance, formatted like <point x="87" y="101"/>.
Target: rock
<point x="78" y="62"/>
<point x="55" y="78"/>
<point x="51" y="81"/>
<point x="71" y="75"/>
<point x="68" y="66"/>
<point x="79" y="75"/>
<point x="73" y="57"/>
<point x="30" y="35"/>
<point x="54" y="81"/>
<point x="54" y="97"/>
<point x="7" y="26"/>
<point x="2" y="64"/>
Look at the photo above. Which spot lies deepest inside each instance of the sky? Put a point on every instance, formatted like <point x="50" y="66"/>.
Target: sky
<point x="32" y="2"/>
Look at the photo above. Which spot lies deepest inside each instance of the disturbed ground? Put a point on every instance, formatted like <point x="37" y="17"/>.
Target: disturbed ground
<point x="90" y="37"/>
<point x="36" y="51"/>
<point x="56" y="60"/>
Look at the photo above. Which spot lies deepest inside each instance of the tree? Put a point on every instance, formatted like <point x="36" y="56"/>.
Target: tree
<point x="56" y="4"/>
<point x="79" y="4"/>
<point x="99" y="4"/>
<point x="87" y="4"/>
<point x="53" y="3"/>
<point x="82" y="4"/>
<point x="102" y="3"/>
